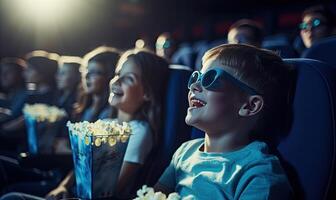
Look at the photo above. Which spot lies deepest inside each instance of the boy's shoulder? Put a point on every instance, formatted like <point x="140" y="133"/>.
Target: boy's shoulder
<point x="254" y="154"/>
<point x="192" y="144"/>
<point x="258" y="162"/>
<point x="189" y="147"/>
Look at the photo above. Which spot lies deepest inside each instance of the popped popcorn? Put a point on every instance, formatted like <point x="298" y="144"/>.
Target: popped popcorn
<point x="42" y="112"/>
<point x="102" y="131"/>
<point x="147" y="193"/>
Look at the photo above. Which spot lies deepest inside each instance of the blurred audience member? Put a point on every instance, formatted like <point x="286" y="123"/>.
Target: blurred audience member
<point x="39" y="75"/>
<point x="246" y="31"/>
<point x="317" y="22"/>
<point x="12" y="82"/>
<point x="98" y="70"/>
<point x="68" y="80"/>
<point x="165" y="46"/>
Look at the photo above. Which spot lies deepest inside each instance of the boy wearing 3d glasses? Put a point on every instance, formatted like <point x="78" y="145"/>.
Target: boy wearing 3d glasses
<point x="239" y="89"/>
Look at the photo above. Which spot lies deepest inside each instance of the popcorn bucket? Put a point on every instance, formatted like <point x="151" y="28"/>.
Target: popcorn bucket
<point x="42" y="129"/>
<point x="98" y="150"/>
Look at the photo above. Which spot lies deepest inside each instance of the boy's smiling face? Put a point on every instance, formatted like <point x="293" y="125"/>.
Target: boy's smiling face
<point x="214" y="111"/>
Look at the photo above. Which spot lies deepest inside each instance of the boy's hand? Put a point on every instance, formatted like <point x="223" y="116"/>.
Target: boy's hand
<point x="58" y="193"/>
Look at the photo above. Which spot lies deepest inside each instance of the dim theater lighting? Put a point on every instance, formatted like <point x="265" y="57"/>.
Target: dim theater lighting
<point x="140" y="43"/>
<point x="43" y="12"/>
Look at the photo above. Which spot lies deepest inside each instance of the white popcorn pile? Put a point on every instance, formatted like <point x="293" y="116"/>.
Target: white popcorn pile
<point x="147" y="193"/>
<point x="42" y="112"/>
<point x="102" y="131"/>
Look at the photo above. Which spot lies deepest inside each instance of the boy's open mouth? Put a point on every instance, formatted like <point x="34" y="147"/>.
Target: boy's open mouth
<point x="196" y="103"/>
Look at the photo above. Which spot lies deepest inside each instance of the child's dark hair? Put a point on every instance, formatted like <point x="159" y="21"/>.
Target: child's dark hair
<point x="324" y="11"/>
<point x="107" y="57"/>
<point x="17" y="65"/>
<point x="74" y="62"/>
<point x="255" y="28"/>
<point x="264" y="71"/>
<point x="154" y="70"/>
<point x="45" y="63"/>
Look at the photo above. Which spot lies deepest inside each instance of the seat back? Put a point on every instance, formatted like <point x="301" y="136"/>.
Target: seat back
<point x="175" y="131"/>
<point x="184" y="55"/>
<point x="308" y="151"/>
<point x="280" y="44"/>
<point x="323" y="50"/>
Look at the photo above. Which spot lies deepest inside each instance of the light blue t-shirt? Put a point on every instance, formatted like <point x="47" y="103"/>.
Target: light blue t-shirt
<point x="248" y="173"/>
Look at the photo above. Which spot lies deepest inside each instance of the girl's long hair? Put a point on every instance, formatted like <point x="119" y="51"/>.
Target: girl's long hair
<point x="154" y="70"/>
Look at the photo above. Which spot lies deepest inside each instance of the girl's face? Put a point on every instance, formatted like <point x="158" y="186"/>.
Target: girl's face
<point x="314" y="29"/>
<point x="127" y="91"/>
<point x="96" y="78"/>
<point x="67" y="77"/>
<point x="31" y="75"/>
<point x="214" y="111"/>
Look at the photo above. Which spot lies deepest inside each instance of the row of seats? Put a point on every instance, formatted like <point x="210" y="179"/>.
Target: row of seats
<point x="308" y="151"/>
<point x="191" y="54"/>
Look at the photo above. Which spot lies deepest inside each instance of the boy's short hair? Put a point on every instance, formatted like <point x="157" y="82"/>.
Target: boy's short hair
<point x="255" y="28"/>
<point x="262" y="70"/>
<point x="323" y="11"/>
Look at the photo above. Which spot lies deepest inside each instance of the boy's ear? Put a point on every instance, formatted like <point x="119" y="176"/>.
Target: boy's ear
<point x="252" y="107"/>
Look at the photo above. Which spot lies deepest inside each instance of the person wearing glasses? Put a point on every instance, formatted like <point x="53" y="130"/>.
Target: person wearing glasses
<point x="233" y="99"/>
<point x="165" y="46"/>
<point x="317" y="22"/>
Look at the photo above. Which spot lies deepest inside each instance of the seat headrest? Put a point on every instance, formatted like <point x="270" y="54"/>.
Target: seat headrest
<point x="309" y="150"/>
<point x="323" y="50"/>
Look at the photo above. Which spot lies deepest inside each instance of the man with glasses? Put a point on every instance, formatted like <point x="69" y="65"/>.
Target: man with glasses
<point x="317" y="22"/>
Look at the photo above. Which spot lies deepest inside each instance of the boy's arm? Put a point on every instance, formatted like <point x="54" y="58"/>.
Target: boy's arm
<point x="167" y="181"/>
<point x="259" y="188"/>
<point x="260" y="183"/>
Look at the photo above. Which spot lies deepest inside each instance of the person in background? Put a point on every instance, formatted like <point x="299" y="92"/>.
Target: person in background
<point x="68" y="81"/>
<point x="165" y="46"/>
<point x="39" y="75"/>
<point x="317" y="22"/>
<point x="12" y="81"/>
<point x="246" y="31"/>
<point x="98" y="70"/>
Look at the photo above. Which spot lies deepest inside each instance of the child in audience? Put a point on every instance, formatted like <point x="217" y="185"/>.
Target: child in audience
<point x="165" y="46"/>
<point x="39" y="75"/>
<point x="317" y="22"/>
<point x="99" y="69"/>
<point x="68" y="80"/>
<point x="12" y="82"/>
<point x="99" y="66"/>
<point x="232" y="99"/>
<point x="246" y="31"/>
<point x="137" y="97"/>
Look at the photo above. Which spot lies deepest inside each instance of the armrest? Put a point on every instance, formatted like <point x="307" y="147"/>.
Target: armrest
<point x="46" y="161"/>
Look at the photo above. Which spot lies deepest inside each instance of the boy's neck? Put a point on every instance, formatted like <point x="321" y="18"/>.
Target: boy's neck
<point x="225" y="143"/>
